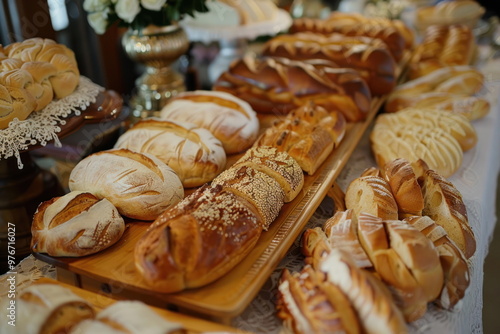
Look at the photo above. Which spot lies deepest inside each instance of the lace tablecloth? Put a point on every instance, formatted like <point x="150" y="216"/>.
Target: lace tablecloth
<point x="476" y="180"/>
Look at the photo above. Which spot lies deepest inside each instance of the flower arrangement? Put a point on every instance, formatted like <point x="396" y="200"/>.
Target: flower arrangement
<point x="137" y="14"/>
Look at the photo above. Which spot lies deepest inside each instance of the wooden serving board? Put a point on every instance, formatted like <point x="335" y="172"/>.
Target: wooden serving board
<point x="191" y="324"/>
<point x="113" y="270"/>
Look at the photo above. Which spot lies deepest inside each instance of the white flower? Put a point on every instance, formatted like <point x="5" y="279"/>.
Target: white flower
<point x="99" y="21"/>
<point x="153" y="4"/>
<point x="95" y="5"/>
<point x="127" y="9"/>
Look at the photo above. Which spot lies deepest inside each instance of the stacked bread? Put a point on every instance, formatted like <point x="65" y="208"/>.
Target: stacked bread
<point x="32" y="74"/>
<point x="51" y="308"/>
<point x="277" y="86"/>
<point x="451" y="88"/>
<point x="438" y="137"/>
<point x="308" y="134"/>
<point x="397" y="245"/>
<point x="205" y="235"/>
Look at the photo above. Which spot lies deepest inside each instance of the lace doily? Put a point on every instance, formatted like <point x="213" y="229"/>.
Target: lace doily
<point x="42" y="126"/>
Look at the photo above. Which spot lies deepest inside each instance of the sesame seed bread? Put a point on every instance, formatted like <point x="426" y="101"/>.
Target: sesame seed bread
<point x="197" y="240"/>
<point x="76" y="224"/>
<point x="455" y="268"/>
<point x="371" y="194"/>
<point x="228" y="118"/>
<point x="279" y="165"/>
<point x="308" y="303"/>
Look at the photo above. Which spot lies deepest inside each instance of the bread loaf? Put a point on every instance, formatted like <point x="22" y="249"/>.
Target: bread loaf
<point x="389" y="35"/>
<point x="370" y="57"/>
<point x="405" y="188"/>
<point x="140" y="185"/>
<point x="442" y="46"/>
<point x="455" y="268"/>
<point x="41" y="73"/>
<point x="46" y="308"/>
<point x="279" y="165"/>
<point x="472" y="107"/>
<point x="444" y="204"/>
<point x="127" y="317"/>
<point x="76" y="224"/>
<point x="307" y="303"/>
<point x="309" y="145"/>
<point x="449" y="12"/>
<point x="273" y="85"/>
<point x="375" y="308"/>
<point x="198" y="240"/>
<point x="14" y="103"/>
<point x="192" y="152"/>
<point x="259" y="189"/>
<point x="409" y="294"/>
<point x="231" y="120"/>
<point x="371" y="194"/>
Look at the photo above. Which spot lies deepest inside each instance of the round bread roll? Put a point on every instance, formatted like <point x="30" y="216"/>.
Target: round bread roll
<point x="76" y="224"/>
<point x="46" y="308"/>
<point x="140" y="185"/>
<point x="230" y="119"/>
<point x="192" y="152"/>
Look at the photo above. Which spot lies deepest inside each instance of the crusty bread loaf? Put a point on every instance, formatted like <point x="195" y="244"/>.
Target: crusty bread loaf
<point x="198" y="240"/>
<point x="372" y="171"/>
<point x="308" y="303"/>
<point x="442" y="46"/>
<point x="279" y="165"/>
<point x="76" y="224"/>
<point x="407" y="291"/>
<point x="371" y="194"/>
<point x="192" y="152"/>
<point x="309" y="145"/>
<point x="230" y="119"/>
<point x="332" y="121"/>
<point x="455" y="268"/>
<point x="128" y="317"/>
<point x="437" y="147"/>
<point x="444" y="204"/>
<point x="448" y="13"/>
<point x="389" y="35"/>
<point x="405" y="188"/>
<point x="258" y="188"/>
<point x="370" y="57"/>
<point x="374" y="306"/>
<point x="46" y="309"/>
<point x="140" y="185"/>
<point x="277" y="85"/>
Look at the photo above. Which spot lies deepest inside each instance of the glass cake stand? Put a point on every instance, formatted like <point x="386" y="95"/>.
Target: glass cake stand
<point x="233" y="41"/>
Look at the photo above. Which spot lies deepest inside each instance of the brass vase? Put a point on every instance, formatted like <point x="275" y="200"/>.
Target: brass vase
<point x="157" y="48"/>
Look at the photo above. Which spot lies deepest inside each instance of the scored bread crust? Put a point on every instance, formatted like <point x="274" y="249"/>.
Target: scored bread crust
<point x="444" y="204"/>
<point x="198" y="240"/>
<point x="371" y="194"/>
<point x="76" y="224"/>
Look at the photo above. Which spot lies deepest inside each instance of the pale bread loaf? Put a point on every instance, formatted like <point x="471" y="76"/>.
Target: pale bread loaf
<point x="455" y="268"/>
<point x="472" y="107"/>
<point x="279" y="165"/>
<point x="444" y="204"/>
<point x="419" y="255"/>
<point x="371" y="194"/>
<point x="407" y="291"/>
<point x="258" y="188"/>
<point x="140" y="185"/>
<point x="405" y="188"/>
<point x="308" y="303"/>
<point x="449" y="12"/>
<point x="230" y="119"/>
<point x="192" y="152"/>
<point x="76" y="224"/>
<point x="374" y="306"/>
<point x="440" y="150"/>
<point x="46" y="308"/>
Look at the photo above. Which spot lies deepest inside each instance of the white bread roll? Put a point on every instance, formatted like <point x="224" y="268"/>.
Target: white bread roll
<point x="140" y="185"/>
<point x="46" y="308"/>
<point x="192" y="152"/>
<point x="76" y="224"/>
<point x="230" y="119"/>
